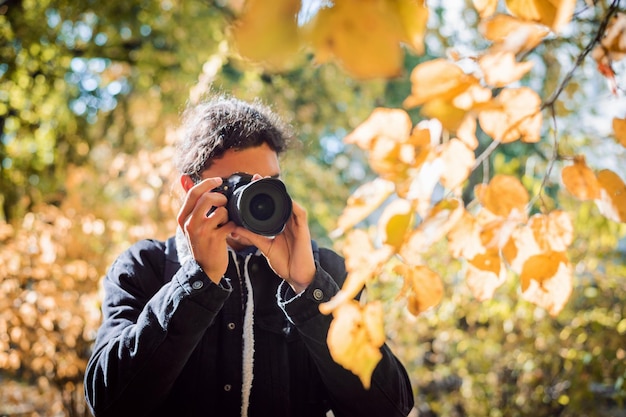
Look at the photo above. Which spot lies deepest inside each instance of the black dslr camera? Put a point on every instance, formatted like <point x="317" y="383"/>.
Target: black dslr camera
<point x="262" y="206"/>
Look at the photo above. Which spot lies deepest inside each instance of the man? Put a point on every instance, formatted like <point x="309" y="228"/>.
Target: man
<point x="218" y="320"/>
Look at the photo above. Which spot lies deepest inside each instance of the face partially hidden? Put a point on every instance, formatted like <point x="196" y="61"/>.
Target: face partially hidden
<point x="260" y="161"/>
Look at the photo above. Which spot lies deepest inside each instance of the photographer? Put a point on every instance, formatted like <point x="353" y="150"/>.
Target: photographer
<point x="222" y="320"/>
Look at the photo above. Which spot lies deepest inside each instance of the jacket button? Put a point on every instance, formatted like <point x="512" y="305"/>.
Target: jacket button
<point x="227" y="387"/>
<point x="231" y="326"/>
<point x="196" y="285"/>
<point x="318" y="294"/>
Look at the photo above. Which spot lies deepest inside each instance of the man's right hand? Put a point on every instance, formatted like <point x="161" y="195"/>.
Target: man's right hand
<point x="204" y="220"/>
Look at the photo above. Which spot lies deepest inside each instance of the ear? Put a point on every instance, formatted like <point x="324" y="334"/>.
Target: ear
<point x="186" y="182"/>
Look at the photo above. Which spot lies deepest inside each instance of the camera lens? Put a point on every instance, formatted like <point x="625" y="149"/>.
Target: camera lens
<point x="262" y="206"/>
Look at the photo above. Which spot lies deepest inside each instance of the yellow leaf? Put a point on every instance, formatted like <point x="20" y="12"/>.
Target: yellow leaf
<point x="363" y="262"/>
<point x="521" y="246"/>
<point x="552" y="13"/>
<point x="510" y="34"/>
<point x="458" y="160"/>
<point x="436" y="224"/>
<point x="394" y="124"/>
<point x="364" y="36"/>
<point x="414" y="17"/>
<point x="485" y="8"/>
<point x="268" y="34"/>
<point x="464" y="237"/>
<point x="422" y="287"/>
<point x="485" y="273"/>
<point x="513" y="114"/>
<point x="501" y="68"/>
<point x="619" y="127"/>
<point x="612" y="201"/>
<point x="367" y="198"/>
<point x="580" y="180"/>
<point x="445" y="111"/>
<point x="437" y="79"/>
<point x="395" y="221"/>
<point x="354" y="338"/>
<point x="546" y="281"/>
<point x="504" y="194"/>
<point x="553" y="232"/>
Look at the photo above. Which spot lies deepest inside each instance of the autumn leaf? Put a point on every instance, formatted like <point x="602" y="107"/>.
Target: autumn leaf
<point x="458" y="160"/>
<point x="445" y="111"/>
<point x="619" y="127"/>
<point x="552" y="13"/>
<point x="485" y="273"/>
<point x="355" y="337"/>
<point x="553" y="232"/>
<point x="514" y="114"/>
<point x="367" y="198"/>
<point x="422" y="287"/>
<point x="464" y="237"/>
<point x="466" y="132"/>
<point x="355" y="31"/>
<point x="485" y="8"/>
<point x="520" y="246"/>
<point x="501" y="68"/>
<point x="502" y="195"/>
<point x="437" y="79"/>
<point x="580" y="180"/>
<point x="363" y="262"/>
<point x="394" y="124"/>
<point x="612" y="200"/>
<point x="436" y="224"/>
<point x="546" y="281"/>
<point x="268" y="34"/>
<point x="414" y="17"/>
<point x="395" y="222"/>
<point x="510" y="34"/>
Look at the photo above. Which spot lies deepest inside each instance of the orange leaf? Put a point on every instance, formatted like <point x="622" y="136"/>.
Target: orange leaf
<point x="355" y="337"/>
<point x="510" y="34"/>
<point x="422" y="287"/>
<point x="521" y="246"/>
<point x="612" y="201"/>
<point x="514" y="114"/>
<point x="437" y="223"/>
<point x="367" y="198"/>
<point x="552" y="13"/>
<point x="458" y="160"/>
<point x="466" y="132"/>
<point x="364" y="36"/>
<point x="580" y="180"/>
<point x="485" y="8"/>
<point x="546" y="281"/>
<point x="268" y="34"/>
<point x="464" y="237"/>
<point x="363" y="262"/>
<point x="485" y="273"/>
<point x="394" y="124"/>
<point x="504" y="194"/>
<point x="501" y="68"/>
<point x="553" y="232"/>
<point x="437" y="79"/>
<point x="619" y="127"/>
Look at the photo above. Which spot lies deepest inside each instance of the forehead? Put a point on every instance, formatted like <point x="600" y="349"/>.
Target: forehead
<point x="260" y="160"/>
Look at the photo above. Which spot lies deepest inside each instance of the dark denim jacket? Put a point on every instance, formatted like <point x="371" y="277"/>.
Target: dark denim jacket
<point x="171" y="344"/>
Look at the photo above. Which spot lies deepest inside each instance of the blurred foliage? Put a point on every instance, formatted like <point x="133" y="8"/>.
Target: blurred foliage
<point x="90" y="95"/>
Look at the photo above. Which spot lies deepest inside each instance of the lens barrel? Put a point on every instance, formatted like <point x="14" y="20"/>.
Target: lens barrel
<point x="261" y="206"/>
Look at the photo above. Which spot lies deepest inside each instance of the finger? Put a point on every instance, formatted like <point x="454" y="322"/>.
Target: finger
<point x="192" y="196"/>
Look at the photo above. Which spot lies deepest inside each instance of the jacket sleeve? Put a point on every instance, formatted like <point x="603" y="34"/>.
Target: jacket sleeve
<point x="149" y="329"/>
<point x="390" y="393"/>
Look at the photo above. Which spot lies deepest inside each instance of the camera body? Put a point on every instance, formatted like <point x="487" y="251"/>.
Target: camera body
<point x="262" y="206"/>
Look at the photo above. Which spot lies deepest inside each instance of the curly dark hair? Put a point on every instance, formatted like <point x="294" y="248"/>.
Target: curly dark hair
<point x="220" y="123"/>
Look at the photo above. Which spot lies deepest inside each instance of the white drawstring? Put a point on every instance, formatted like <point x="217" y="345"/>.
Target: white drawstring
<point x="248" y="340"/>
